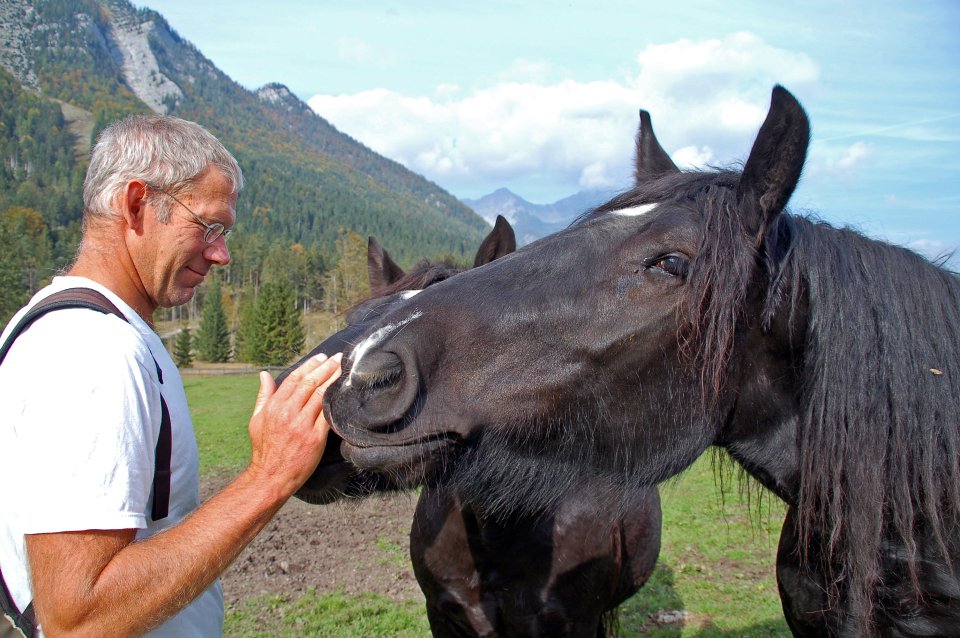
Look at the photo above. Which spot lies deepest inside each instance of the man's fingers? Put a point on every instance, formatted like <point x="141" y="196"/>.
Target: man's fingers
<point x="303" y="388"/>
<point x="297" y="377"/>
<point x="316" y="399"/>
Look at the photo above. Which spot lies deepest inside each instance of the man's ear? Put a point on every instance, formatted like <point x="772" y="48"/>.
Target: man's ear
<point x="133" y="204"/>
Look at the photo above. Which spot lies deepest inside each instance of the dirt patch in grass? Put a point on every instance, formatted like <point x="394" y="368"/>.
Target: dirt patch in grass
<point x="353" y="547"/>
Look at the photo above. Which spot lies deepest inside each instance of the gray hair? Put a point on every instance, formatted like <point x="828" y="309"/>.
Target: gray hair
<point x="165" y="151"/>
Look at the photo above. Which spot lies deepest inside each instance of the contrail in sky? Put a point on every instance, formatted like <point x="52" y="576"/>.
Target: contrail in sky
<point x="884" y="129"/>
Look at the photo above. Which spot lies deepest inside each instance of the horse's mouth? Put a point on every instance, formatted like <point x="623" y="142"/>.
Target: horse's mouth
<point x="410" y="459"/>
<point x="330" y="482"/>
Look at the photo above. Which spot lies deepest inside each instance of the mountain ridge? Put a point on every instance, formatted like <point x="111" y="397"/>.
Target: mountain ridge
<point x="532" y="221"/>
<point x="109" y="58"/>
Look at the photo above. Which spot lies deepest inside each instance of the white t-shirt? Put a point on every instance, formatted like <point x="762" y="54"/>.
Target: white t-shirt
<point x="79" y="422"/>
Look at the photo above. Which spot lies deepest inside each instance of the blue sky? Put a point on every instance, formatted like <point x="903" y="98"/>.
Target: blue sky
<point x="542" y="96"/>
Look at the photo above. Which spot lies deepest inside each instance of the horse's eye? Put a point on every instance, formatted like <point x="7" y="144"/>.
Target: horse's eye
<point x="675" y="265"/>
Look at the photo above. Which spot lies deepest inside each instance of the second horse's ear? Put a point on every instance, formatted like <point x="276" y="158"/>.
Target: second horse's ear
<point x="501" y="241"/>
<point x="381" y="269"/>
<point x="776" y="160"/>
<point x="651" y="161"/>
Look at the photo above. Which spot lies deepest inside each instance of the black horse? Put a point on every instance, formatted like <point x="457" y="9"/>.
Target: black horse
<point x="694" y="311"/>
<point x="556" y="573"/>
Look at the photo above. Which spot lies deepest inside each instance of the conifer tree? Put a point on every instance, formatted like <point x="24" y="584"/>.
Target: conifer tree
<point x="246" y="346"/>
<point x="213" y="336"/>
<point x="181" y="348"/>
<point x="279" y="328"/>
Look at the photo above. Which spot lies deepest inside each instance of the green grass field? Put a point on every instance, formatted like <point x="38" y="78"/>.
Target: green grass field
<point x="716" y="563"/>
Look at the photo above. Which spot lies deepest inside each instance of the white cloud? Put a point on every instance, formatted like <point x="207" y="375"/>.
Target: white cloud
<point x="838" y="162"/>
<point x="854" y="155"/>
<point x="693" y="156"/>
<point x="565" y="134"/>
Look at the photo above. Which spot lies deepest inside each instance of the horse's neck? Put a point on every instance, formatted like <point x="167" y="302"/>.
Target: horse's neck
<point x="761" y="430"/>
<point x="769" y="453"/>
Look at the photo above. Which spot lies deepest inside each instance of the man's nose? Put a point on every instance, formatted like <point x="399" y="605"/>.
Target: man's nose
<point x="218" y="252"/>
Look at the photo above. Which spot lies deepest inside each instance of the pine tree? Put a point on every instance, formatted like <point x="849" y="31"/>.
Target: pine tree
<point x="181" y="348"/>
<point x="279" y="328"/>
<point x="246" y="344"/>
<point x="213" y="336"/>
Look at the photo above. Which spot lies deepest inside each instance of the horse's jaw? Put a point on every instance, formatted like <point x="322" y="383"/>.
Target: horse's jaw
<point x="407" y="464"/>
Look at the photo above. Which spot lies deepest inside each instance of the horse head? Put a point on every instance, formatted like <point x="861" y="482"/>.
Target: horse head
<point x="574" y="356"/>
<point x="334" y="477"/>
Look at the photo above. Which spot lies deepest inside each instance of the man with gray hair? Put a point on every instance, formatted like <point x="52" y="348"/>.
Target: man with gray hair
<point x="87" y="396"/>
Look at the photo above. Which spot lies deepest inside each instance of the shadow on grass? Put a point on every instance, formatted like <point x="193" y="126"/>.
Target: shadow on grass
<point x="658" y="611"/>
<point x="761" y="630"/>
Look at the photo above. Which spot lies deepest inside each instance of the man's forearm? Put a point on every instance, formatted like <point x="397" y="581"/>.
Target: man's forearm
<point x="146" y="582"/>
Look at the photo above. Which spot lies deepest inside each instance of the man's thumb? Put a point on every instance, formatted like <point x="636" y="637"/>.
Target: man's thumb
<point x="267" y="388"/>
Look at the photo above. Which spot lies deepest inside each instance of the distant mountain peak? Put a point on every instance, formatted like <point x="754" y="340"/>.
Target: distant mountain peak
<point x="533" y="221"/>
<point x="278" y="94"/>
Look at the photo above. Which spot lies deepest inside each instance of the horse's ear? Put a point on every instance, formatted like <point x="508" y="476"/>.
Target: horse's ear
<point x="501" y="241"/>
<point x="775" y="162"/>
<point x="652" y="161"/>
<point x="380" y="268"/>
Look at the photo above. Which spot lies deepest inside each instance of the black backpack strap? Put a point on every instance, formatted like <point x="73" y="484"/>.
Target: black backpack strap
<point x="92" y="300"/>
<point x="26" y="621"/>
<point x="162" y="459"/>
<point x="161" y="466"/>
<point x="71" y="298"/>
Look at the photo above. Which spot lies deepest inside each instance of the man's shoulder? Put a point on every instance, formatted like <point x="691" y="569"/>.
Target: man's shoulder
<point x="79" y="339"/>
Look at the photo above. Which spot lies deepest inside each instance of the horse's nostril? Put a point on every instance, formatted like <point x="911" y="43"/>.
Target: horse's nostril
<point x="376" y="370"/>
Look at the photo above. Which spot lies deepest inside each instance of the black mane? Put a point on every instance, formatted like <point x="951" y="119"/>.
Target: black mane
<point x="880" y="440"/>
<point x="879" y="448"/>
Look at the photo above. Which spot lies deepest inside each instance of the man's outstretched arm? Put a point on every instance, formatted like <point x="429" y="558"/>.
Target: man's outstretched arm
<point x="102" y="582"/>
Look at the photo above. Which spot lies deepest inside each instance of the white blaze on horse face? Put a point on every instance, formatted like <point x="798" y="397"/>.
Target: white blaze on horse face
<point x="364" y="346"/>
<point x="635" y="211"/>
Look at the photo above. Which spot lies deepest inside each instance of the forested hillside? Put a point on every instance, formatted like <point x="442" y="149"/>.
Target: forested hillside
<point x="68" y="67"/>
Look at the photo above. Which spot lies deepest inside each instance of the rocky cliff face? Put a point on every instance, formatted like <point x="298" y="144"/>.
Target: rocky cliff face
<point x="16" y="16"/>
<point x="128" y="40"/>
<point x="125" y="35"/>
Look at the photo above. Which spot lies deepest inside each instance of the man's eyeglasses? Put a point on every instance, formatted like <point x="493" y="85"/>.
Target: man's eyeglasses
<point x="213" y="231"/>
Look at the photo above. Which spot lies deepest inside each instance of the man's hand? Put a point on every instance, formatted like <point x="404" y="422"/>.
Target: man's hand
<point x="288" y="431"/>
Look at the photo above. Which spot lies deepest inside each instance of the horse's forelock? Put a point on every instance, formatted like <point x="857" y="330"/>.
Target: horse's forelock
<point x="424" y="274"/>
<point x="720" y="276"/>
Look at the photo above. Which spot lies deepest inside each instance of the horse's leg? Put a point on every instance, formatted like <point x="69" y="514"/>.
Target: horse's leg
<point x="596" y="561"/>
<point x="802" y="586"/>
<point x="641" y="528"/>
<point x="445" y="568"/>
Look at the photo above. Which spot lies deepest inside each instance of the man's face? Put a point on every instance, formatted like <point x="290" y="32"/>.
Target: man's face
<point x="173" y="257"/>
